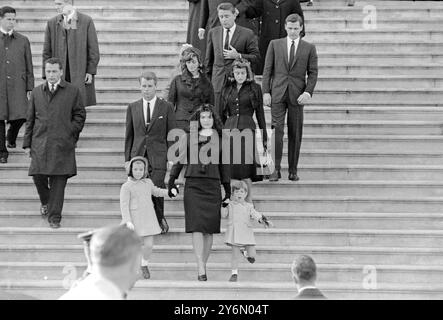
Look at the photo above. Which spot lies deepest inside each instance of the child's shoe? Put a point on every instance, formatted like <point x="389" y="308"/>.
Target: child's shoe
<point x="233" y="278"/>
<point x="245" y="254"/>
<point x="145" y="272"/>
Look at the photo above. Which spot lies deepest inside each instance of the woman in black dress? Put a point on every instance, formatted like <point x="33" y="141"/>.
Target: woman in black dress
<point x="190" y="89"/>
<point x="201" y="152"/>
<point x="241" y="97"/>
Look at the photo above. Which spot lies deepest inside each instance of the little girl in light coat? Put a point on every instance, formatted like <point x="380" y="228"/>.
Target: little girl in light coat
<point x="239" y="229"/>
<point x="137" y="208"/>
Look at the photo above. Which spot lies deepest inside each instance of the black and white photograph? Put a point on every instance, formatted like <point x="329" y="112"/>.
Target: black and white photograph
<point x="229" y="150"/>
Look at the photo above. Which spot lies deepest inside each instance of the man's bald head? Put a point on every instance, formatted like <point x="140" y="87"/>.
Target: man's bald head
<point x="114" y="246"/>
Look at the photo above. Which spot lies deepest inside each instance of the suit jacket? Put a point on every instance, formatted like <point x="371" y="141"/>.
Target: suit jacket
<point x="310" y="293"/>
<point x="140" y="139"/>
<point x="243" y="40"/>
<point x="81" y="44"/>
<point x="278" y="76"/>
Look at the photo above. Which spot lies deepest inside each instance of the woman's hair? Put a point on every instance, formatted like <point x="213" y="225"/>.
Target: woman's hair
<point x="188" y="54"/>
<point x="237" y="185"/>
<point x="206" y="108"/>
<point x="241" y="63"/>
<point x="131" y="165"/>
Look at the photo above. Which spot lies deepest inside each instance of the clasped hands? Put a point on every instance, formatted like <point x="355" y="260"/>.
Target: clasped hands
<point x="304" y="98"/>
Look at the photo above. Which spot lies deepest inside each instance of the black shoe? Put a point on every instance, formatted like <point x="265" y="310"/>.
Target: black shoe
<point x="293" y="177"/>
<point x="310" y="4"/>
<point x="54" y="225"/>
<point x="145" y="272"/>
<point x="233" y="278"/>
<point x="203" y="277"/>
<point x="11" y="145"/>
<point x="3" y="160"/>
<point x="44" y="210"/>
<point x="245" y="254"/>
<point x="275" y="176"/>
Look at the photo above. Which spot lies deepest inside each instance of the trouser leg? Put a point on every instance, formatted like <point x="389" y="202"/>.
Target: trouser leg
<point x="295" y="133"/>
<point x="3" y="150"/>
<point x="14" y="128"/>
<point x="158" y="178"/>
<point x="57" y="185"/>
<point x="278" y="112"/>
<point x="41" y="182"/>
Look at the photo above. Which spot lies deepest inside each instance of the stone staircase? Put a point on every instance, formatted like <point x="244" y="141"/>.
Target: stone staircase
<point x="369" y="205"/>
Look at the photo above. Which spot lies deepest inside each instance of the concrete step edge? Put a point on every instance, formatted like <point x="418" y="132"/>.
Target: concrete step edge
<point x="227" y="265"/>
<point x="65" y="231"/>
<point x="271" y="214"/>
<point x="283" y="249"/>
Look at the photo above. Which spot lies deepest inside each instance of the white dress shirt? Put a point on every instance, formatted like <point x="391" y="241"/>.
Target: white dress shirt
<point x="6" y="32"/>
<point x="151" y="108"/>
<point x="231" y="32"/>
<point x="94" y="287"/>
<point x="55" y="85"/>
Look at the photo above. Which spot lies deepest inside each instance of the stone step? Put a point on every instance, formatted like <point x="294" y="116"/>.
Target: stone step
<point x="311" y="157"/>
<point x="171" y="58"/>
<point x="323" y="83"/>
<point x="423" y="142"/>
<point x="336" y="69"/>
<point x="311" y="127"/>
<point x="301" y="220"/>
<point x="282" y="237"/>
<point x="28" y="22"/>
<point x="178" y="33"/>
<point x="265" y="203"/>
<point x="307" y="172"/>
<point x="221" y="253"/>
<point x="330" y="46"/>
<point x="275" y="272"/>
<point x="216" y="290"/>
<point x="416" y="12"/>
<point x="328" y="188"/>
<point x="316" y="112"/>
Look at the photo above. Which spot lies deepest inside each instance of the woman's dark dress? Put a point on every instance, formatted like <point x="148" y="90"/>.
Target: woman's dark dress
<point x="202" y="194"/>
<point x="238" y="108"/>
<point x="187" y="94"/>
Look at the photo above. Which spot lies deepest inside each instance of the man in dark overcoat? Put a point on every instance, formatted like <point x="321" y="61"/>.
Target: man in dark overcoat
<point x="273" y="14"/>
<point x="55" y="118"/>
<point x="71" y="37"/>
<point x="16" y="80"/>
<point x="209" y="15"/>
<point x="148" y="122"/>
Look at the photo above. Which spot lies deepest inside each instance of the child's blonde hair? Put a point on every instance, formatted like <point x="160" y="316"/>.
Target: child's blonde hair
<point x="237" y="185"/>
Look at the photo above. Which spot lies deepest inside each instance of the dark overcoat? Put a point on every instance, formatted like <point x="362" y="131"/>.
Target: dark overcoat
<point x="152" y="140"/>
<point x="53" y="126"/>
<point x="16" y="76"/>
<point x="273" y="16"/>
<point x="209" y="15"/>
<point x="193" y="25"/>
<point x="82" y="47"/>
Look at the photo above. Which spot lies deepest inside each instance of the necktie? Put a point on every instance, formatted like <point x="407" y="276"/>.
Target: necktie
<point x="52" y="88"/>
<point x="226" y="47"/>
<point x="148" y="115"/>
<point x="291" y="54"/>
